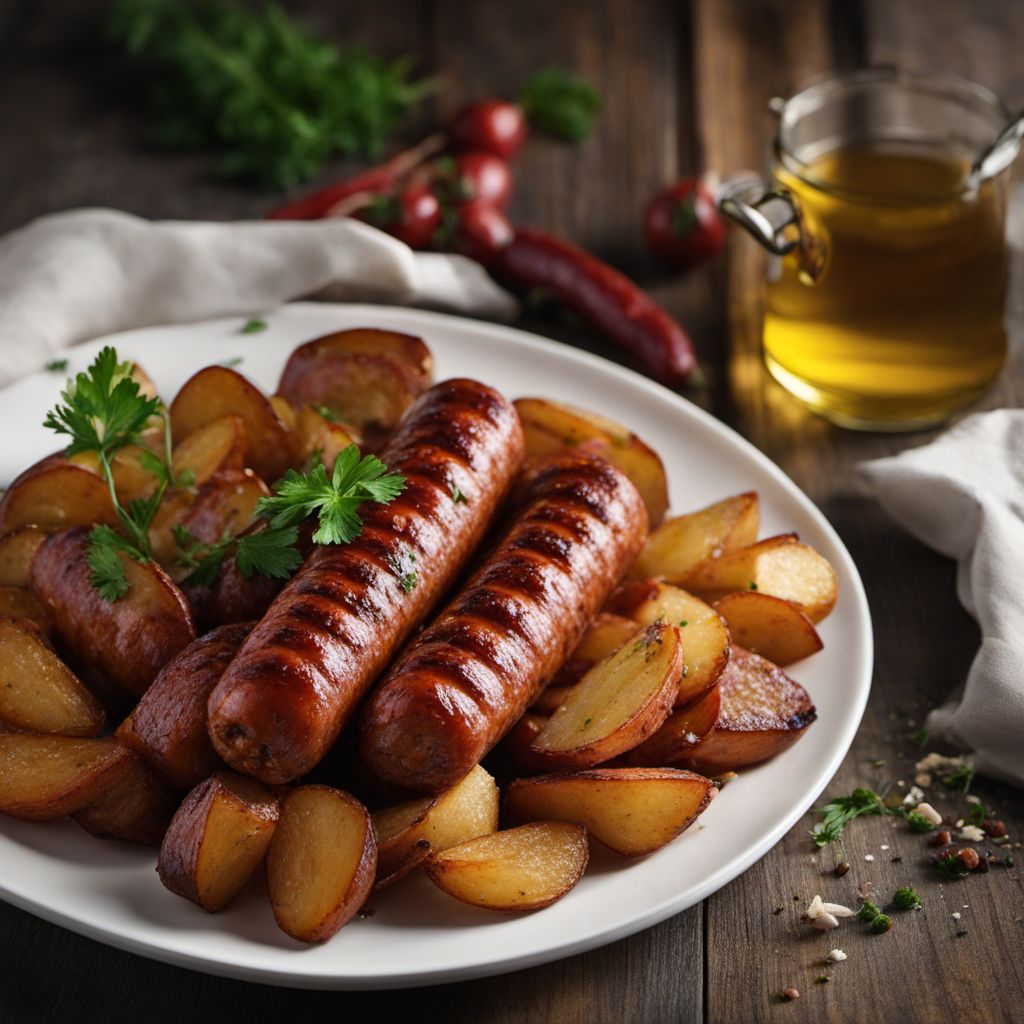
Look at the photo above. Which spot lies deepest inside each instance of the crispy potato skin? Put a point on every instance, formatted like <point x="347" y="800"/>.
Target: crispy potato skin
<point x="467" y="678"/>
<point x="126" y="645"/>
<point x="342" y="617"/>
<point x="168" y="726"/>
<point x="55" y="493"/>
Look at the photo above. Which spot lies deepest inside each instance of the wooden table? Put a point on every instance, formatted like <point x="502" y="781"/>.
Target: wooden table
<point x="685" y="87"/>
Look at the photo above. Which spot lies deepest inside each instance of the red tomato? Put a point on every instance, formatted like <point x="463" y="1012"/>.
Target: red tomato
<point x="485" y="177"/>
<point x="412" y="216"/>
<point x="482" y="232"/>
<point x="682" y="225"/>
<point x="497" y="126"/>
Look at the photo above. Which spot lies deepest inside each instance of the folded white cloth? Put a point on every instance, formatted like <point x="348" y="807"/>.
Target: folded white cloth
<point x="963" y="495"/>
<point x="71" y="276"/>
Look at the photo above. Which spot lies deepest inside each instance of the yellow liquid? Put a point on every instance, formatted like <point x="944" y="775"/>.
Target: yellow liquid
<point x="905" y="324"/>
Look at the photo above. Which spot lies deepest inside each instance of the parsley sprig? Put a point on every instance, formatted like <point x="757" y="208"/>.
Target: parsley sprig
<point x="270" y="552"/>
<point x="559" y="104"/>
<point x="839" y="812"/>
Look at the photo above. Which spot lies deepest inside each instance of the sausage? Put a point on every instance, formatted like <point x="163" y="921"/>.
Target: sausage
<point x="345" y="614"/>
<point x="469" y="676"/>
<point x="606" y="299"/>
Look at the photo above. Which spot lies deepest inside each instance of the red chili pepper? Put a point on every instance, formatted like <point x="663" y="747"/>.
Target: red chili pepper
<point x="606" y="299"/>
<point x="377" y="180"/>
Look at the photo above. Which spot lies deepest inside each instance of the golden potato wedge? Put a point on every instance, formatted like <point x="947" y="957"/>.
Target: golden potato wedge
<point x="552" y="697"/>
<point x="681" y="731"/>
<point x="126" y="641"/>
<point x="132" y="478"/>
<point x="406" y="349"/>
<point x="219" y="391"/>
<point x="704" y="632"/>
<point x="524" y="868"/>
<point x="780" y="566"/>
<point x="167" y="728"/>
<point x="38" y="692"/>
<point x="633" y="811"/>
<point x="769" y="626"/>
<point x="682" y="543"/>
<point x="606" y="634"/>
<point x="762" y="713"/>
<point x="44" y="777"/>
<point x="16" y="603"/>
<point x="217" y="839"/>
<point x="171" y="513"/>
<point x="55" y="493"/>
<point x="321" y="862"/>
<point x="408" y="831"/>
<point x="320" y="436"/>
<point x="215" y="448"/>
<point x="136" y="808"/>
<point x="225" y="505"/>
<point x="17" y="550"/>
<point x="617" y="704"/>
<point x="550" y="428"/>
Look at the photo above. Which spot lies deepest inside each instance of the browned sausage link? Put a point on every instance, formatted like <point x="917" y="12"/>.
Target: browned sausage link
<point x="471" y="674"/>
<point x="334" y="628"/>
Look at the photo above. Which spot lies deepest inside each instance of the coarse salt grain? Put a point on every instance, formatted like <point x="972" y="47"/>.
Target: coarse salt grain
<point x="884" y="846"/>
<point x="955" y="915"/>
<point x="869" y="857"/>
<point x="836" y="956"/>
<point x="914" y="795"/>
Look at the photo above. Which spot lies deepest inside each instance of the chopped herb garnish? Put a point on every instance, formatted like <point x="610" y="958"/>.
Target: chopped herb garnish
<point x="683" y="622"/>
<point x="327" y="413"/>
<point x="979" y="814"/>
<point x="232" y="362"/>
<point x="586" y="723"/>
<point x="57" y="365"/>
<point x="951" y="866"/>
<point x="905" y="898"/>
<point x="959" y="777"/>
<point x="558" y="104"/>
<point x="919" y="823"/>
<point x="842" y="810"/>
<point x="821" y="979"/>
<point x="919" y="736"/>
<point x="752" y="585"/>
<point x="873" y="917"/>
<point x="457" y="495"/>
<point x="270" y="552"/>
<point x="253" y="326"/>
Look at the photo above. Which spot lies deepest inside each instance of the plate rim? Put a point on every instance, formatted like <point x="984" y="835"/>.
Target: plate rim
<point x="853" y="591"/>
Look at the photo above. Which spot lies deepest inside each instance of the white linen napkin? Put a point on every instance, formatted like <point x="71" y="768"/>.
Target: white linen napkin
<point x="71" y="276"/>
<point x="963" y="495"/>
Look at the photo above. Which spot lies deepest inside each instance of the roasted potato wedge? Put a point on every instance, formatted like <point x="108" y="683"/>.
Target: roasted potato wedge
<point x="167" y="728"/>
<point x="606" y="634"/>
<point x="136" y="808"/>
<point x="131" y="477"/>
<point x="682" y="543"/>
<point x="16" y="603"/>
<point x="682" y="730"/>
<point x="408" y="831"/>
<point x="762" y="713"/>
<point x="217" y="839"/>
<point x="43" y="777"/>
<point x="54" y="494"/>
<point x="127" y="641"/>
<point x="38" y="692"/>
<point x="633" y="811"/>
<point x="550" y="428"/>
<point x="617" y="704"/>
<point x="704" y="632"/>
<point x="407" y="349"/>
<point x="524" y="868"/>
<point x="321" y="862"/>
<point x="780" y="566"/>
<point x="769" y="626"/>
<point x="17" y="550"/>
<point x="218" y="447"/>
<point x="316" y="435"/>
<point x="219" y="391"/>
<point x="170" y="514"/>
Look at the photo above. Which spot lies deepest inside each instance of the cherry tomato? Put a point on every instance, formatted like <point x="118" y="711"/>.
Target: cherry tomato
<point x="494" y="125"/>
<point x="474" y="175"/>
<point x="482" y="232"/>
<point x="682" y="225"/>
<point x="412" y="216"/>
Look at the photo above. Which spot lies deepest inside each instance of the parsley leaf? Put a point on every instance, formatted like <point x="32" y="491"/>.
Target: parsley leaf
<point x="269" y="552"/>
<point x="841" y="811"/>
<point x="103" y="556"/>
<point x="559" y="104"/>
<point x="253" y="326"/>
<point x="57" y="365"/>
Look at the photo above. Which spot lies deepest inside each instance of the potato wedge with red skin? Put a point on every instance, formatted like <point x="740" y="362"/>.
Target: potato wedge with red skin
<point x="220" y="446"/>
<point x="17" y="550"/>
<point x="552" y="428"/>
<point x="16" y="603"/>
<point x="38" y="692"/>
<point x="217" y="839"/>
<point x="780" y="566"/>
<point x="44" y="777"/>
<point x="136" y="808"/>
<point x="706" y="640"/>
<point x="518" y="869"/>
<point x="321" y="862"/>
<point x="406" y="349"/>
<point x="633" y="811"/>
<point x="680" y="732"/>
<point x="408" y="831"/>
<point x="219" y="391"/>
<point x="769" y="626"/>
<point x="127" y="641"/>
<point x="167" y="728"/>
<point x="762" y="713"/>
<point x="54" y="494"/>
<point x="683" y="543"/>
<point x="316" y="435"/>
<point x="617" y="704"/>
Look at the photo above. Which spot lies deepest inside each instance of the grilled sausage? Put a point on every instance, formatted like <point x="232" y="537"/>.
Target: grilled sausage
<point x="339" y="622"/>
<point x="469" y="676"/>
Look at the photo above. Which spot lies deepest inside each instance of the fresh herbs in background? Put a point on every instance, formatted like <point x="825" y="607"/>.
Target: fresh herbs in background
<point x="838" y="813"/>
<point x="253" y="326"/>
<point x="275" y="100"/>
<point x="57" y="365"/>
<point x="560" y="104"/>
<point x="906" y="898"/>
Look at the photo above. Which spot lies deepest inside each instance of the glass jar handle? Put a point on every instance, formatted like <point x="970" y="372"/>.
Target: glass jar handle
<point x="773" y="217"/>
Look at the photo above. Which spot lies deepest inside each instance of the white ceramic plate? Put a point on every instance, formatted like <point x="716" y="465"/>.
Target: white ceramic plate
<point x="417" y="935"/>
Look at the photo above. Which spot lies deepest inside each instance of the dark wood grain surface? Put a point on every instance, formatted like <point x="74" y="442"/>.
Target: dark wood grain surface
<point x="685" y="87"/>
